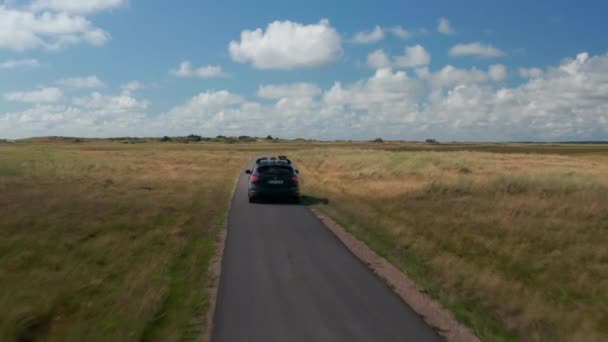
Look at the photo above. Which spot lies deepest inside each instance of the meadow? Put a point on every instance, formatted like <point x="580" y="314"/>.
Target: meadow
<point x="111" y="240"/>
<point x="514" y="244"/>
<point x="108" y="242"/>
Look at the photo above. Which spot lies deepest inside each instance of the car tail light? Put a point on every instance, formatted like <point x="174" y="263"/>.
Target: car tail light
<point x="295" y="179"/>
<point x="254" y="178"/>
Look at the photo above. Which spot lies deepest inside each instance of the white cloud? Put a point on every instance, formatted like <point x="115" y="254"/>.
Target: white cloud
<point x="445" y="27"/>
<point x="366" y="105"/>
<point x="210" y="101"/>
<point x="77" y="6"/>
<point x="122" y="103"/>
<point x="207" y="111"/>
<point x="378" y="60"/>
<point x="20" y="64"/>
<point x="497" y="72"/>
<point x="400" y="32"/>
<point x="82" y="82"/>
<point x="414" y="56"/>
<point x="210" y="71"/>
<point x="567" y="101"/>
<point x="475" y="49"/>
<point x="132" y="86"/>
<point x="288" y="45"/>
<point x="384" y="93"/>
<point x="530" y="72"/>
<point x="43" y="95"/>
<point x="184" y="70"/>
<point x="366" y="37"/>
<point x="99" y="116"/>
<point x="297" y="90"/>
<point x="22" y="30"/>
<point x="450" y="76"/>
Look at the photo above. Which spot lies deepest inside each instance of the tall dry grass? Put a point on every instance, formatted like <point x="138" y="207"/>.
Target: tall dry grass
<point x="515" y="244"/>
<point x="108" y="242"/>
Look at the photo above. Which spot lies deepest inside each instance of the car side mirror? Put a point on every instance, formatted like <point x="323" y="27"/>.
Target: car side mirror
<point x="248" y="172"/>
<point x="298" y="171"/>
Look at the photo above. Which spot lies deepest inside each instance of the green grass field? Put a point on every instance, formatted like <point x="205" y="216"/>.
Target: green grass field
<point x="111" y="241"/>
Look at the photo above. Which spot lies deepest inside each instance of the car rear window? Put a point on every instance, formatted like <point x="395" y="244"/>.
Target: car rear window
<point x="275" y="170"/>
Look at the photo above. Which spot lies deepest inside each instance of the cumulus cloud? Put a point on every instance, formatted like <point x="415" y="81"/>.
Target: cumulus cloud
<point x="298" y="90"/>
<point x="132" y="86"/>
<point x="20" y="64"/>
<point x="530" y="72"/>
<point x="209" y="101"/>
<point x="475" y="49"/>
<point x="67" y="120"/>
<point x="366" y="37"/>
<point x="379" y="33"/>
<point x="497" y="72"/>
<point x="22" y="30"/>
<point x="400" y="32"/>
<point x="387" y="97"/>
<point x="288" y="45"/>
<point x="450" y="76"/>
<point x="414" y="56"/>
<point x="445" y="27"/>
<point x="555" y="106"/>
<point x="43" y="95"/>
<point x="223" y="112"/>
<point x="566" y="101"/>
<point x="82" y="82"/>
<point x="77" y="6"/>
<point x="210" y="71"/>
<point x="122" y="103"/>
<point x="207" y="111"/>
<point x="378" y="60"/>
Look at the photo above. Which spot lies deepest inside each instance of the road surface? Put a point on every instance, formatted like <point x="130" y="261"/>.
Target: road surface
<point x="286" y="277"/>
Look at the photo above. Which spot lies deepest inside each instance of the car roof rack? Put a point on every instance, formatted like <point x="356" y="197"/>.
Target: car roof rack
<point x="275" y="159"/>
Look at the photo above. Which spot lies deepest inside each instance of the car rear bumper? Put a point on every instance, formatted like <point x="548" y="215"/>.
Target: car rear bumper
<point x="276" y="192"/>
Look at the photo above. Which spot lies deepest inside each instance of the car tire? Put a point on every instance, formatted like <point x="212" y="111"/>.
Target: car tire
<point x="252" y="199"/>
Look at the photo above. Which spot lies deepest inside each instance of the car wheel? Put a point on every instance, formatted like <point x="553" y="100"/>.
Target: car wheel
<point x="252" y="199"/>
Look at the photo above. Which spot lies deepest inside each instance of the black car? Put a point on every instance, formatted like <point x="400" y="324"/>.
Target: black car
<point x="273" y="178"/>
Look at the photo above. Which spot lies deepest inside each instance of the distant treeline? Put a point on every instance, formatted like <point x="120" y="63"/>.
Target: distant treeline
<point x="583" y="142"/>
<point x="192" y="138"/>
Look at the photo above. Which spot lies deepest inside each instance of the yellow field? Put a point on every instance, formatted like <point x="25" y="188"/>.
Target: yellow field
<point x="514" y="244"/>
<point x="110" y="241"/>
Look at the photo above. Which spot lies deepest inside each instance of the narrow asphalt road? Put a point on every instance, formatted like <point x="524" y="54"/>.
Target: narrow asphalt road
<point x="286" y="277"/>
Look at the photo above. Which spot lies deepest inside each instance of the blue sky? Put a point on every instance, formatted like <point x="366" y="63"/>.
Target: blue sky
<point x="476" y="70"/>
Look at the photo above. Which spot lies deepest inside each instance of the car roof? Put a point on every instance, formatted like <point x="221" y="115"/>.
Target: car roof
<point x="276" y="159"/>
<point x="273" y="163"/>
